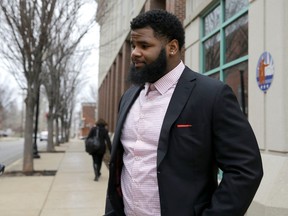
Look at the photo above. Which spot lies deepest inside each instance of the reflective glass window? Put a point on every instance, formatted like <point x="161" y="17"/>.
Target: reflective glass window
<point x="212" y="52"/>
<point x="224" y="47"/>
<point x="236" y="39"/>
<point x="212" y="20"/>
<point x="237" y="78"/>
<point x="232" y="7"/>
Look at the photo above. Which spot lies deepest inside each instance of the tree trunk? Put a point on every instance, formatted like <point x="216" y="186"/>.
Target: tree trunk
<point x="28" y="142"/>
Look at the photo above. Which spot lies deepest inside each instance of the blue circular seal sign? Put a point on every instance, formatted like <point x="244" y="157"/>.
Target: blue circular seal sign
<point x="265" y="71"/>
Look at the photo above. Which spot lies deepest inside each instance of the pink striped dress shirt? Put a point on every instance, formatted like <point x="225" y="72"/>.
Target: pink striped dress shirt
<point x="140" y="135"/>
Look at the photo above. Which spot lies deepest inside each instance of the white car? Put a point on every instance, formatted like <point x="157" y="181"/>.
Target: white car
<point x="43" y="135"/>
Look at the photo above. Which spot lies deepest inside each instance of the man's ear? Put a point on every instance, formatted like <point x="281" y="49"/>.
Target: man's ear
<point x="173" y="47"/>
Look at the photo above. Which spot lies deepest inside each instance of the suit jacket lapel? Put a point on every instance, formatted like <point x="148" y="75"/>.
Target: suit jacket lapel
<point x="126" y="103"/>
<point x="179" y="98"/>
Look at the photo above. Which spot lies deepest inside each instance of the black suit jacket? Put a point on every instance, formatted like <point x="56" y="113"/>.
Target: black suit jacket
<point x="188" y="158"/>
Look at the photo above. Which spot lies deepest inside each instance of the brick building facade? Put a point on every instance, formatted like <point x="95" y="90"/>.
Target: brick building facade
<point x="88" y="118"/>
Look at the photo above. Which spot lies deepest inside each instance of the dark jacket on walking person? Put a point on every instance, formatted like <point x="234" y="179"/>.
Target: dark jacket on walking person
<point x="2" y="168"/>
<point x="104" y="140"/>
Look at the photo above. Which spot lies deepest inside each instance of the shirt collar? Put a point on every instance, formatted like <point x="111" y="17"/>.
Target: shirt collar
<point x="168" y="80"/>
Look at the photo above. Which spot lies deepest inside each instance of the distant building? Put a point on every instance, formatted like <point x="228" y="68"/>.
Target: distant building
<point x="88" y="118"/>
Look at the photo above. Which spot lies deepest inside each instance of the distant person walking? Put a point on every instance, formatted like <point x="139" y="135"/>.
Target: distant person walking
<point x="2" y="168"/>
<point x="104" y="140"/>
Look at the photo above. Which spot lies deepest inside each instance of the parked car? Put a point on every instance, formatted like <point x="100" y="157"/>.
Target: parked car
<point x="3" y="133"/>
<point x="6" y="132"/>
<point x="43" y="135"/>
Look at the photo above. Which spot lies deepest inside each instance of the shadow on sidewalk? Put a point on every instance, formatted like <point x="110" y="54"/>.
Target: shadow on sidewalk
<point x="34" y="173"/>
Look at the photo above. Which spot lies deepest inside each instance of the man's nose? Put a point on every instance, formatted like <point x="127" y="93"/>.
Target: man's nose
<point x="136" y="52"/>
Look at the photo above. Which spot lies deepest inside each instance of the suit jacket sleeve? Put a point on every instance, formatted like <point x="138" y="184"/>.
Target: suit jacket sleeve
<point x="237" y="155"/>
<point x="109" y="211"/>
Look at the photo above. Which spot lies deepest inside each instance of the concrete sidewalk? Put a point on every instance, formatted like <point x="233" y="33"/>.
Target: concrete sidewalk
<point x="71" y="192"/>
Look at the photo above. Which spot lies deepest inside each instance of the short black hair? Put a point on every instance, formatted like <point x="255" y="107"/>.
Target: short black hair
<point x="163" y="23"/>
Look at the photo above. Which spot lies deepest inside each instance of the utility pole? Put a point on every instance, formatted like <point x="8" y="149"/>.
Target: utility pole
<point x="35" y="149"/>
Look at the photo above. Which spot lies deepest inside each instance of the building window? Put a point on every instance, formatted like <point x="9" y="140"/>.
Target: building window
<point x="224" y="46"/>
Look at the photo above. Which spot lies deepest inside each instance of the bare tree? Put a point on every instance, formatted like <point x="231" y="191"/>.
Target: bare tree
<point x="25" y="29"/>
<point x="29" y="38"/>
<point x="68" y="103"/>
<point x="67" y="32"/>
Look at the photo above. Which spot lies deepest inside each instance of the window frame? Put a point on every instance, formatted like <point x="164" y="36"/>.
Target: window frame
<point x="221" y="30"/>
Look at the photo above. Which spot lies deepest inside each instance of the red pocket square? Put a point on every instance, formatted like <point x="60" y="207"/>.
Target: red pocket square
<point x="184" y="125"/>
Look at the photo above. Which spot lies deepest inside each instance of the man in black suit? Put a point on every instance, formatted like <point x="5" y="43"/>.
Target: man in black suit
<point x="175" y="129"/>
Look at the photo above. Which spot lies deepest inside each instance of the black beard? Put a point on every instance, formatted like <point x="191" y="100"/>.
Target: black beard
<point x="150" y="72"/>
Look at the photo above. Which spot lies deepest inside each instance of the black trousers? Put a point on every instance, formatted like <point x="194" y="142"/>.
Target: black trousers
<point x="97" y="160"/>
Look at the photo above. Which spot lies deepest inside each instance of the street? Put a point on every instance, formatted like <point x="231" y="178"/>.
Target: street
<point x="11" y="149"/>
